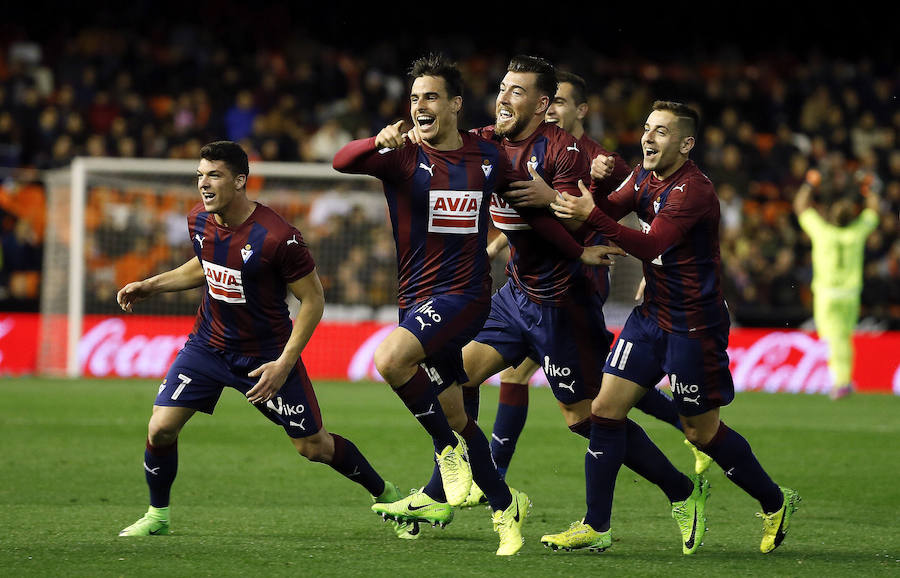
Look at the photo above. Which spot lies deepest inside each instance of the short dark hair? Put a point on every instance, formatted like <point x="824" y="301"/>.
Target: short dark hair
<point x="579" y="86"/>
<point x="230" y="152"/>
<point x="688" y="117"/>
<point x="546" y="74"/>
<point x="436" y="64"/>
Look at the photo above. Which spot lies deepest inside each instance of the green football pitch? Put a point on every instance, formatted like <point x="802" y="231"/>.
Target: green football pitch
<point x="245" y="504"/>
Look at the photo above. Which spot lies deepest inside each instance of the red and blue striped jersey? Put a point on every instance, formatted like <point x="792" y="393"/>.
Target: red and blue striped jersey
<point x="247" y="271"/>
<point x="599" y="276"/>
<point x="535" y="266"/>
<point x="678" y="243"/>
<point x="438" y="204"/>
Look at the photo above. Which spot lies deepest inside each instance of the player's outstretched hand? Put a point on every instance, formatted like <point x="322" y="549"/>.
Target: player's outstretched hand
<point x="391" y="136"/>
<point x="271" y="377"/>
<point x="567" y="206"/>
<point x="533" y="193"/>
<point x="131" y="294"/>
<point x="600" y="254"/>
<point x="602" y="166"/>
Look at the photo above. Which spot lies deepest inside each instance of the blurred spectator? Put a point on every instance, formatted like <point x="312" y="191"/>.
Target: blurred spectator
<point x="134" y="91"/>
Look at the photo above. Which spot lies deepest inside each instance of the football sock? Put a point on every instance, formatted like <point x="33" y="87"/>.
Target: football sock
<point x="422" y="402"/>
<point x="434" y="489"/>
<point x="731" y="451"/>
<point x="472" y="401"/>
<point x="645" y="459"/>
<point x="350" y="463"/>
<point x="160" y="468"/>
<point x="582" y="428"/>
<point x="512" y="412"/>
<point x="660" y="406"/>
<point x="483" y="471"/>
<point x="606" y="452"/>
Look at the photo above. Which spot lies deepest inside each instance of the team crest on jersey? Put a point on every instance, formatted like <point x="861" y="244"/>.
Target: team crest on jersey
<point x="656" y="204"/>
<point x="246" y="251"/>
<point x="504" y="216"/>
<point x="224" y="283"/>
<point x="486" y="168"/>
<point x="532" y="163"/>
<point x="453" y="211"/>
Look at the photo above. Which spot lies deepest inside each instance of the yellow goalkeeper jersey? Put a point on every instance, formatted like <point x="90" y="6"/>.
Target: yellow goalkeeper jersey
<point x="838" y="252"/>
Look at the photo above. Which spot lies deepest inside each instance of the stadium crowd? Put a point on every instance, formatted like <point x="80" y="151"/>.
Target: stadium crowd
<point x="105" y="92"/>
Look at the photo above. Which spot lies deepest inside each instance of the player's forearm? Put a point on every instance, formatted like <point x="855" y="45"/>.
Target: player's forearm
<point x="600" y="189"/>
<point x="602" y="201"/>
<point x="553" y="231"/>
<point x="187" y="276"/>
<point x="647" y="246"/>
<point x="802" y="199"/>
<point x="497" y="245"/>
<point x="351" y="158"/>
<point x="311" y="309"/>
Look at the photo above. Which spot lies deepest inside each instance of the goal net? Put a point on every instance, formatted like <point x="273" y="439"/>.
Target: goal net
<point x="112" y="221"/>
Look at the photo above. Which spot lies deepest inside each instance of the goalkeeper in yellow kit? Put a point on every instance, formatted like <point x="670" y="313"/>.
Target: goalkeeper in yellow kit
<point x="838" y="246"/>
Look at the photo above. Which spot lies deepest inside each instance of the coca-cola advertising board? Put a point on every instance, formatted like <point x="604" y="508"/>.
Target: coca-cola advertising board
<point x="144" y="346"/>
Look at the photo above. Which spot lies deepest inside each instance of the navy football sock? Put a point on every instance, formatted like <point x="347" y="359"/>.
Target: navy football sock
<point x="160" y="468"/>
<point x="660" y="406"/>
<point x="512" y="411"/>
<point x="472" y="401"/>
<point x="582" y="428"/>
<point x="645" y="459"/>
<point x="434" y="489"/>
<point x="602" y="461"/>
<point x="732" y="452"/>
<point x="483" y="471"/>
<point x="350" y="463"/>
<point x="422" y="402"/>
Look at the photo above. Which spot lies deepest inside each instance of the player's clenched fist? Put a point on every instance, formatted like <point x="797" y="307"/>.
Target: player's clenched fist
<point x="602" y="167"/>
<point x="391" y="136"/>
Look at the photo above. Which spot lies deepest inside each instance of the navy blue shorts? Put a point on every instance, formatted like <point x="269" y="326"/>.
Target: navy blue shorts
<point x="569" y="341"/>
<point x="697" y="366"/>
<point x="443" y="324"/>
<point x="200" y="372"/>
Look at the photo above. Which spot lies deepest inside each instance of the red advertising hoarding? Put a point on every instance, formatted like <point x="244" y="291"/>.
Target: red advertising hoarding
<point x="144" y="346"/>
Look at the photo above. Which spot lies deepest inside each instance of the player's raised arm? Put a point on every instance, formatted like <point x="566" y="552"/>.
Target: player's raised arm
<point x="368" y="156"/>
<point x="187" y="276"/>
<point x="272" y="375"/>
<point x="803" y="198"/>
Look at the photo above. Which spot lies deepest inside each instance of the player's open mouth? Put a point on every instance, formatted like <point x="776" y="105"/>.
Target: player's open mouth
<point x="208" y="196"/>
<point x="552" y="119"/>
<point x="425" y="120"/>
<point x="504" y="114"/>
<point x="650" y="153"/>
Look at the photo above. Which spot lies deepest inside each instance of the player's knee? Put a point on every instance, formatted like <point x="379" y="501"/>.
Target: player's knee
<point x="391" y="364"/>
<point x="313" y="449"/>
<point x="161" y="434"/>
<point x="697" y="434"/>
<point x="600" y="408"/>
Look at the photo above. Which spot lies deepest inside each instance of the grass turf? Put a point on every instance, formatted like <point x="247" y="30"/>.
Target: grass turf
<point x="245" y="504"/>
